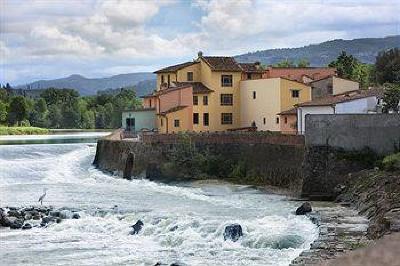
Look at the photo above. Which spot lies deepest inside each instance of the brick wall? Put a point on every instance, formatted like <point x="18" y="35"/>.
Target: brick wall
<point x="226" y="137"/>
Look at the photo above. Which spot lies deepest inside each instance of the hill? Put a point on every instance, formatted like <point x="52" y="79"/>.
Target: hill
<point x="143" y="82"/>
<point x="322" y="54"/>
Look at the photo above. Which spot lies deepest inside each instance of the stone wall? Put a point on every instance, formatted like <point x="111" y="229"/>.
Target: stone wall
<point x="338" y="145"/>
<point x="184" y="159"/>
<point x="379" y="132"/>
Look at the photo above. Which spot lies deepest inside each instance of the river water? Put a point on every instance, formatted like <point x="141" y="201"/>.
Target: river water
<point x="182" y="223"/>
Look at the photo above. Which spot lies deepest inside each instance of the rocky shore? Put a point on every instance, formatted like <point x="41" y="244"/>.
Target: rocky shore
<point x="367" y="208"/>
<point x="26" y="218"/>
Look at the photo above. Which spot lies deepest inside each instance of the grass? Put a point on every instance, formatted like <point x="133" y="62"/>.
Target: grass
<point x="23" y="131"/>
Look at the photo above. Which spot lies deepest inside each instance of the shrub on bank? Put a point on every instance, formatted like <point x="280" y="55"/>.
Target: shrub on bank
<point x="23" y="131"/>
<point x="392" y="162"/>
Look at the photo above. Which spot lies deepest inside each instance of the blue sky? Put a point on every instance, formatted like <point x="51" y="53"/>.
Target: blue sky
<point x="46" y="39"/>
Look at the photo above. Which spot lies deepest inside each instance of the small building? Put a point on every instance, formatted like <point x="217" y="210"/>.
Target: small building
<point x="354" y="102"/>
<point x="332" y="85"/>
<point x="262" y="100"/>
<point x="138" y="120"/>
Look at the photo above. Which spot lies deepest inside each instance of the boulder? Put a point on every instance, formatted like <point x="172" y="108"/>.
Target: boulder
<point x="233" y="232"/>
<point x="4" y="220"/>
<point x="76" y="215"/>
<point x="172" y="229"/>
<point x="136" y="228"/>
<point x="304" y="208"/>
<point x="17" y="224"/>
<point x="14" y="213"/>
<point x="26" y="226"/>
<point x="65" y="214"/>
<point x="54" y="213"/>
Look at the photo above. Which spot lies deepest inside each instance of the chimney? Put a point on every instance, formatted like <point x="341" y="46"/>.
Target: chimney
<point x="200" y="54"/>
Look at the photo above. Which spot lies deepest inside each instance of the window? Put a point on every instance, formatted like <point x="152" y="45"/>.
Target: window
<point x="161" y="122"/>
<point x="150" y="103"/>
<point x="176" y="123"/>
<point x="264" y="120"/>
<point x="277" y="120"/>
<point x="169" y="80"/>
<point x="285" y="120"/>
<point x="254" y="95"/>
<point x="195" y="100"/>
<point x="248" y="75"/>
<point x="196" y="118"/>
<point x="226" y="99"/>
<point x="189" y="76"/>
<point x="205" y="119"/>
<point x="226" y="80"/>
<point x="162" y="79"/>
<point x="295" y="93"/>
<point x="205" y="100"/>
<point x="226" y="118"/>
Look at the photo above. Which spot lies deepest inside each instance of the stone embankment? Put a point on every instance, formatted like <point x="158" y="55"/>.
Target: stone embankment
<point x="368" y="208"/>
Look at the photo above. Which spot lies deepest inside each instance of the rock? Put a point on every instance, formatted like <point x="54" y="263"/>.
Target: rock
<point x="28" y="216"/>
<point x="54" y="213"/>
<point x="136" y="227"/>
<point x="304" y="208"/>
<point x="17" y="224"/>
<point x="26" y="226"/>
<point x="47" y="219"/>
<point x="14" y="213"/>
<point x="65" y="214"/>
<point x="233" y="232"/>
<point x="172" y="229"/>
<point x="76" y="215"/>
<point x="4" y="220"/>
<point x="58" y="220"/>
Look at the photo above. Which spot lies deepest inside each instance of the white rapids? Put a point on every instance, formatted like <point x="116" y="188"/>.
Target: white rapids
<point x="182" y="224"/>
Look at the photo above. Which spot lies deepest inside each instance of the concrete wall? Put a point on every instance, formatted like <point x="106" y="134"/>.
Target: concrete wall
<point x="304" y="111"/>
<point x="379" y="132"/>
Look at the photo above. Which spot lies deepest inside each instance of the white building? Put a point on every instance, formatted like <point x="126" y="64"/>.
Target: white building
<point x="353" y="102"/>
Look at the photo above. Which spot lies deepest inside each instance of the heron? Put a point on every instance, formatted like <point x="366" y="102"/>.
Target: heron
<point x="42" y="197"/>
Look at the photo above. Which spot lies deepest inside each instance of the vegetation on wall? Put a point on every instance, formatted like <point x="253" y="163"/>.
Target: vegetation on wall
<point x="64" y="108"/>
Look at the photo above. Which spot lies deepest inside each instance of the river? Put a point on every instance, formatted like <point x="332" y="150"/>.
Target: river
<point x="182" y="223"/>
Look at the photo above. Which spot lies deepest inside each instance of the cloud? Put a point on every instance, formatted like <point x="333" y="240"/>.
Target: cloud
<point x="94" y="36"/>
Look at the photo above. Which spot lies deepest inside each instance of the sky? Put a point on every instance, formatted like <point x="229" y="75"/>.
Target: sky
<point x="47" y="39"/>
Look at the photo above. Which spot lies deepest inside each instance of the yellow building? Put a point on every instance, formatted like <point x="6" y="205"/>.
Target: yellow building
<point x="215" y="93"/>
<point x="263" y="100"/>
<point x="215" y="82"/>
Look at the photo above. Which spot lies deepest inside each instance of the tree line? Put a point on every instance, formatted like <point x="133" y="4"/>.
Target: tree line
<point x="65" y="108"/>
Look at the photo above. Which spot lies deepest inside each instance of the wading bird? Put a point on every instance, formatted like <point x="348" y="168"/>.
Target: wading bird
<point x="42" y="197"/>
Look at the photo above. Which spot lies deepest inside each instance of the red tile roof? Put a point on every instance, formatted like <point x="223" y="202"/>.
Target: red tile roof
<point x="222" y="63"/>
<point x="292" y="111"/>
<point x="198" y="87"/>
<point x="251" y="68"/>
<point x="175" y="68"/>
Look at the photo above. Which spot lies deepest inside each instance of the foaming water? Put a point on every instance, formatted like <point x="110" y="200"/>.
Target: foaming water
<point x="182" y="224"/>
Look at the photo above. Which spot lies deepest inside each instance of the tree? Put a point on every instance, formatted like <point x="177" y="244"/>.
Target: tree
<point x="18" y="110"/>
<point x="54" y="116"/>
<point x="285" y="63"/>
<point x="388" y="66"/>
<point x="345" y="65"/>
<point x="391" y="98"/>
<point x="38" y="116"/>
<point x="303" y="63"/>
<point x="88" y="119"/>
<point x="364" y="74"/>
<point x="3" y="112"/>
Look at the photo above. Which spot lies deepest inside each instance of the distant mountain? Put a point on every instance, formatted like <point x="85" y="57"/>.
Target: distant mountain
<point x="143" y="82"/>
<point x="322" y="54"/>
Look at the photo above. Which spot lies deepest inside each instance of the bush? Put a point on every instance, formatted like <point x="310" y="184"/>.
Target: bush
<point x="392" y="162"/>
<point x="23" y="131"/>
